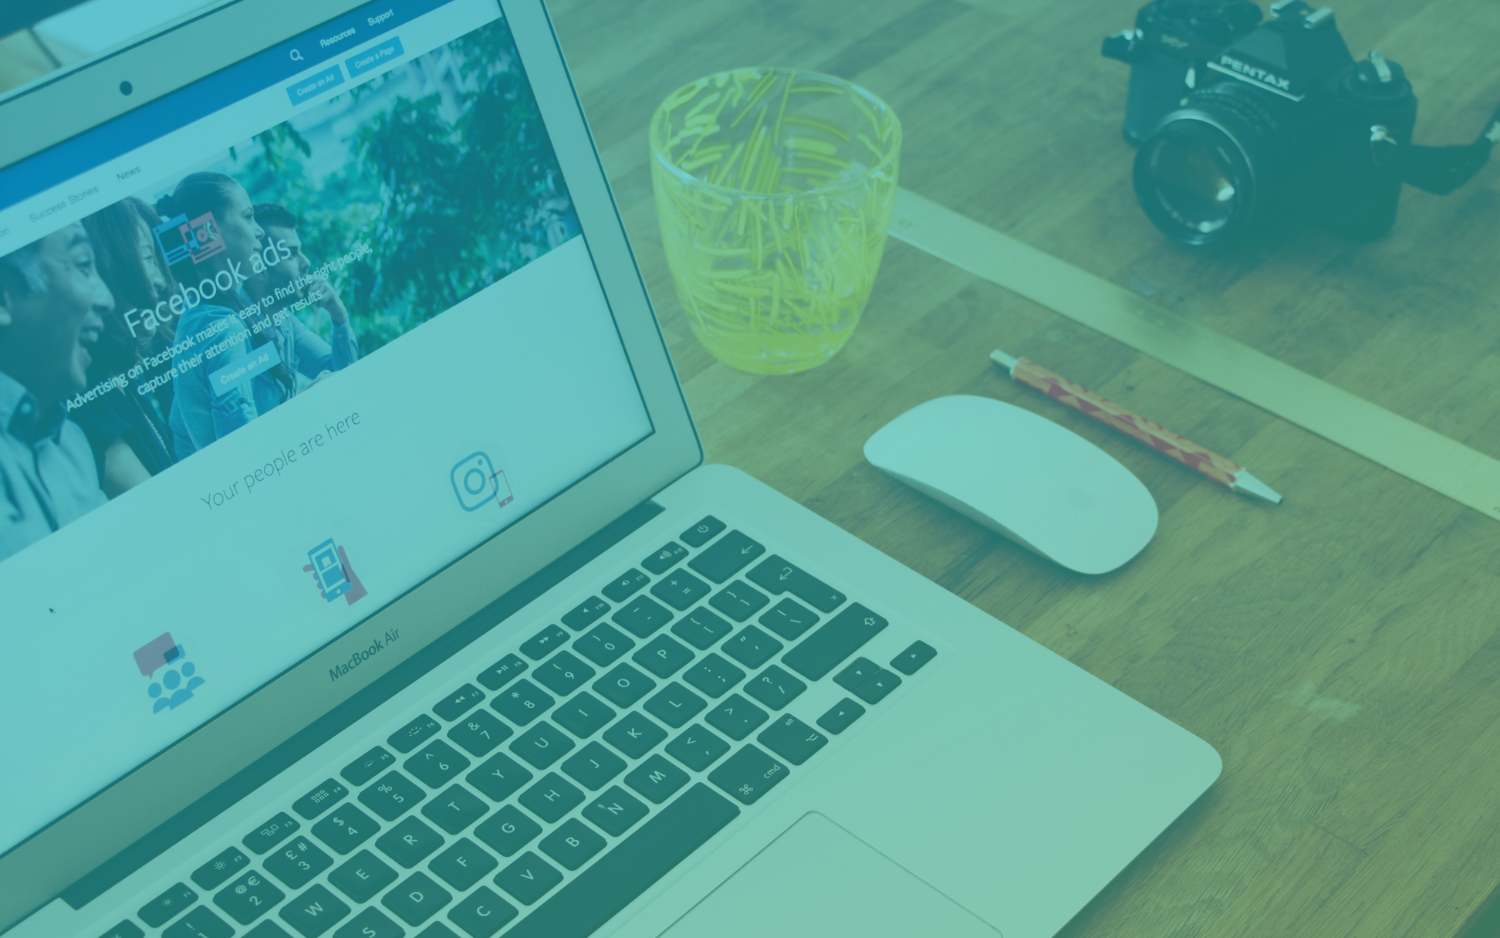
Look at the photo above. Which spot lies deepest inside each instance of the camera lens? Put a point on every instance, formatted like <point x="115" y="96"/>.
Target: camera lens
<point x="1215" y="167"/>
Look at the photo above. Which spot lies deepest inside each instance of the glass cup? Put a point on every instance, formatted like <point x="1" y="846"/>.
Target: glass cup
<point x="774" y="190"/>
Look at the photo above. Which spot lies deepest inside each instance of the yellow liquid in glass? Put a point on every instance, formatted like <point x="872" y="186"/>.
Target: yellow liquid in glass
<point x="774" y="191"/>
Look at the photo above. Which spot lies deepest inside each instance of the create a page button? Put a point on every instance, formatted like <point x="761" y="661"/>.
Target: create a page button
<point x="313" y="85"/>
<point x="374" y="57"/>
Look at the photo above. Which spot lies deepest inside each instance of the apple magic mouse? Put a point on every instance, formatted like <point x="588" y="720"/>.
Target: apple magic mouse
<point x="1039" y="484"/>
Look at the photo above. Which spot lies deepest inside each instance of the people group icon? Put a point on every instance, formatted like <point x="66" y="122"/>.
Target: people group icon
<point x="176" y="684"/>
<point x="175" y="687"/>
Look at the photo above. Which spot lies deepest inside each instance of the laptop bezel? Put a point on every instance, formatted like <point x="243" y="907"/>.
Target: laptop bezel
<point x="50" y="112"/>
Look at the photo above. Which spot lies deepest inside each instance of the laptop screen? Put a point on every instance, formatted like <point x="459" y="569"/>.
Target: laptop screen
<point x="274" y="349"/>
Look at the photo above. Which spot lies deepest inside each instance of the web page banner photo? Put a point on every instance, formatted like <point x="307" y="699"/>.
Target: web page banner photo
<point x="276" y="389"/>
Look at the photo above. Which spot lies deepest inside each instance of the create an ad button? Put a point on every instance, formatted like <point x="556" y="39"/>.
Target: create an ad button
<point x="313" y="85"/>
<point x="374" y="57"/>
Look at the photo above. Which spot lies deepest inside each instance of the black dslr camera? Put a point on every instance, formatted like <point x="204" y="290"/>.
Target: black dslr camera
<point x="1242" y="123"/>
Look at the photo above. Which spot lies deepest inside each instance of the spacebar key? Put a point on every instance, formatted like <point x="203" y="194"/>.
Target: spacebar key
<point x="612" y="883"/>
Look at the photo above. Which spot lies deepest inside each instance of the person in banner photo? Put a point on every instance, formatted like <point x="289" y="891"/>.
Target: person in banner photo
<point x="52" y="308"/>
<point x="126" y="428"/>
<point x="287" y="283"/>
<point x="216" y="247"/>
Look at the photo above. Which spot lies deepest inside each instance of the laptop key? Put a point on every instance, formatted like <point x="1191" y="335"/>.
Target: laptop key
<point x="271" y="833"/>
<point x="455" y="809"/>
<point x="417" y="899"/>
<point x="593" y="766"/>
<point x="314" y="912"/>
<point x="457" y="703"/>
<point x="367" y="766"/>
<point x="642" y="616"/>
<point x="776" y="576"/>
<point x="615" y="811"/>
<point x="579" y="617"/>
<point x="409" y="842"/>
<point x="748" y="774"/>
<point x="739" y="600"/>
<point x="437" y="765"/>
<point x="736" y="717"/>
<point x="713" y="675"/>
<point x="564" y="673"/>
<point x="296" y="862"/>
<point x="528" y="878"/>
<point x="665" y="558"/>
<point x="507" y="831"/>
<point x="551" y="798"/>
<point x="624" y="685"/>
<point x="370" y="923"/>
<point x="362" y="876"/>
<point x="618" y="877"/>
<point x="841" y="716"/>
<point x="542" y="745"/>
<point x="634" y="735"/>
<point x="791" y="739"/>
<point x="789" y="619"/>
<point x="680" y="590"/>
<point x="392" y="796"/>
<point x="215" y="872"/>
<point x="480" y="732"/>
<point x="656" y="779"/>
<point x="835" y="640"/>
<point x="752" y="647"/>
<point x="775" y="688"/>
<point x="499" y="777"/>
<point x="320" y="799"/>
<point x="878" y="687"/>
<point x="697" y="748"/>
<point x="910" y="660"/>
<point x="522" y="702"/>
<point x="413" y="734"/>
<point x="502" y="672"/>
<point x="269" y="929"/>
<point x="126" y="929"/>
<point x="663" y="656"/>
<point x="345" y="828"/>
<point x="674" y="705"/>
<point x="625" y="585"/>
<point x="727" y="557"/>
<point x="544" y="643"/>
<point x="480" y="915"/>
<point x="463" y="864"/>
<point x="583" y="716"/>
<point x="702" y="532"/>
<point x="200" y="923"/>
<point x="573" y="844"/>
<point x="701" y="628"/>
<point x="858" y="671"/>
<point x="248" y="898"/>
<point x="604" y="644"/>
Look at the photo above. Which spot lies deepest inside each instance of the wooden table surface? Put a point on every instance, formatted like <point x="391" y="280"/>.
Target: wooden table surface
<point x="1340" y="651"/>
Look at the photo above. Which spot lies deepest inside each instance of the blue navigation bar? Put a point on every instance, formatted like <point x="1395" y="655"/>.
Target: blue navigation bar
<point x="278" y="64"/>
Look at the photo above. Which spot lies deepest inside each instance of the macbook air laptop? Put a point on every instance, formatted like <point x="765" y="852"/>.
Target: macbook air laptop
<point x="362" y="576"/>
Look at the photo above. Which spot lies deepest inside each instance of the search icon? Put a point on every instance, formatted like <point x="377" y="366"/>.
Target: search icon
<point x="296" y="55"/>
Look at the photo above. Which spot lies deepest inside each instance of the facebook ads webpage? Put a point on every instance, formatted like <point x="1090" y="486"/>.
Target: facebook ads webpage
<point x="273" y="350"/>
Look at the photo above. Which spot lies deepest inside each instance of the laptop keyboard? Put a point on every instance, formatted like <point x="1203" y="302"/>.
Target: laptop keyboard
<point x="547" y="792"/>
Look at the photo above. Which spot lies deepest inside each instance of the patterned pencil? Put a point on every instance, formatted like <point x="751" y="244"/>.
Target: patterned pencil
<point x="1207" y="463"/>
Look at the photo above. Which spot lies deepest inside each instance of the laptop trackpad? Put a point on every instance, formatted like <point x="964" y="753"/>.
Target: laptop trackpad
<point x="816" y="880"/>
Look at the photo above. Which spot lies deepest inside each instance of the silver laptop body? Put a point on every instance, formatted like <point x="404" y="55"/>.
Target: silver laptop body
<point x="457" y="634"/>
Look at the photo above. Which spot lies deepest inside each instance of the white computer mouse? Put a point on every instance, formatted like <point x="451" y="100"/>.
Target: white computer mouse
<point x="1044" y="487"/>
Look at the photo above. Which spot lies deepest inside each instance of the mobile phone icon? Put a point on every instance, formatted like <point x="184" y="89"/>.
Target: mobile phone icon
<point x="329" y="571"/>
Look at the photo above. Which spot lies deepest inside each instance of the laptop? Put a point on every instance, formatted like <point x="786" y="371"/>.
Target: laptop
<point x="362" y="574"/>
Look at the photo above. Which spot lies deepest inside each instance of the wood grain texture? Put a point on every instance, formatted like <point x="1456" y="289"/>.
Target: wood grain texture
<point x="1341" y="651"/>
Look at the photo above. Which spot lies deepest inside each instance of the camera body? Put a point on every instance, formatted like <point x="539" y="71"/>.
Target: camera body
<point x="1283" y="123"/>
<point x="1169" y="50"/>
